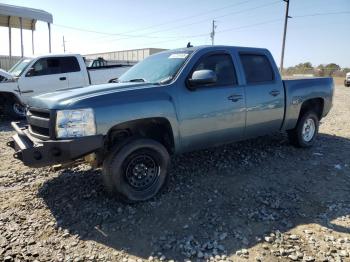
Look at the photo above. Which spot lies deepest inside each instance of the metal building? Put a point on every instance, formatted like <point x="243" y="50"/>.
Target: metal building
<point x="23" y="18"/>
<point x="125" y="56"/>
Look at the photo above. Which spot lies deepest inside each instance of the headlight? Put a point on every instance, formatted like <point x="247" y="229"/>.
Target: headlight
<point x="75" y="123"/>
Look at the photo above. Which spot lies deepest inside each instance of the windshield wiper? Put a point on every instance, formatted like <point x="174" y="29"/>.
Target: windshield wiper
<point x="137" y="80"/>
<point x="140" y="80"/>
<point x="165" y="80"/>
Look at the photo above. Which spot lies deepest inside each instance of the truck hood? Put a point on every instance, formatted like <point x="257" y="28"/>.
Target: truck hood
<point x="65" y="97"/>
<point x="5" y="74"/>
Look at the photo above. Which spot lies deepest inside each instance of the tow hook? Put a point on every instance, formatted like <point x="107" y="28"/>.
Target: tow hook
<point x="11" y="144"/>
<point x="18" y="155"/>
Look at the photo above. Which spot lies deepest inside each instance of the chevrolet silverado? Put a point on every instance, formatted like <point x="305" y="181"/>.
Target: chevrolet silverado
<point x="172" y="102"/>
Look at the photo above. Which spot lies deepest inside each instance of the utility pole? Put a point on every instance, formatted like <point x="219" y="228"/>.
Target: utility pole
<point x="212" y="34"/>
<point x="64" y="45"/>
<point x="284" y="33"/>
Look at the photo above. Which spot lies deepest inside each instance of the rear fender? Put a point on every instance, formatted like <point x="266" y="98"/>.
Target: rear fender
<point x="300" y="91"/>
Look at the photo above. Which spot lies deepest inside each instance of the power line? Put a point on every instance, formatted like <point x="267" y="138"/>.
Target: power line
<point x="321" y="14"/>
<point x="190" y="17"/>
<point x="222" y="31"/>
<point x="152" y="26"/>
<point x="205" y="34"/>
<point x="99" y="32"/>
<point x="127" y="36"/>
<point x="201" y="21"/>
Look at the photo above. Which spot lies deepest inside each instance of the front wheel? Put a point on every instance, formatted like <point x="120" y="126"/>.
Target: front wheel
<point x="137" y="170"/>
<point x="15" y="109"/>
<point x="304" y="134"/>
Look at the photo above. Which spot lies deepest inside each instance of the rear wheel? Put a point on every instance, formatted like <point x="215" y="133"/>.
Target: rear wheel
<point x="304" y="134"/>
<point x="137" y="170"/>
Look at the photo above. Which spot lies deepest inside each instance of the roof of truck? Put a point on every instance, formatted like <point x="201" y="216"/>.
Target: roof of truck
<point x="200" y="47"/>
<point x="56" y="54"/>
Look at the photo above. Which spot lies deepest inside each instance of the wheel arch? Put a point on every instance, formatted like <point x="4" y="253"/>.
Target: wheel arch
<point x="5" y="96"/>
<point x="157" y="128"/>
<point x="314" y="104"/>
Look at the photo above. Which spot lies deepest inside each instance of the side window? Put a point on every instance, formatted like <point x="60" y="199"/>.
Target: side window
<point x="222" y="65"/>
<point x="47" y="66"/>
<point x="70" y="64"/>
<point x="257" y="68"/>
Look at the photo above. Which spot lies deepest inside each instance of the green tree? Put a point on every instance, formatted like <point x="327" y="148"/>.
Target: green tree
<point x="331" y="68"/>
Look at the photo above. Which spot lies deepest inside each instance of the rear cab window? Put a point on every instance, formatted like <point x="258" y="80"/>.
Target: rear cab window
<point x="257" y="68"/>
<point x="70" y="64"/>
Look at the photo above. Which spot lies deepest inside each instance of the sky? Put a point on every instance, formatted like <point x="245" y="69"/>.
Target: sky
<point x="318" y="32"/>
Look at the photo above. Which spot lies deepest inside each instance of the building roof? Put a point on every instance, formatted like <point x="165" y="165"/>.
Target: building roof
<point x="10" y="14"/>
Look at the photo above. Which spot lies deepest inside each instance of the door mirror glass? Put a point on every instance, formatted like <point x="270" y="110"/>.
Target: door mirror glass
<point x="202" y="77"/>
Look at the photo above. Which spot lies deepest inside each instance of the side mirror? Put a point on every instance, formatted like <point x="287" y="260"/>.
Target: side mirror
<point x="31" y="72"/>
<point x="202" y="77"/>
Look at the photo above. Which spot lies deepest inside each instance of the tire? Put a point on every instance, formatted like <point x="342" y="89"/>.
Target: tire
<point x="305" y="133"/>
<point x="14" y="109"/>
<point x="137" y="170"/>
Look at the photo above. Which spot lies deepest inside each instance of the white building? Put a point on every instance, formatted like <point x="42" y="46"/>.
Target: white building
<point x="125" y="56"/>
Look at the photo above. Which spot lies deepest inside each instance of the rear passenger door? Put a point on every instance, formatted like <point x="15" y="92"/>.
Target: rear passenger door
<point x="264" y="95"/>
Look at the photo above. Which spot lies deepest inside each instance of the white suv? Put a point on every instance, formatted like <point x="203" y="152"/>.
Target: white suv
<point x="347" y="80"/>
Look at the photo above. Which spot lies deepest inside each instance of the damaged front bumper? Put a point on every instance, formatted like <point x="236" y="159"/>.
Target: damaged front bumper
<point x="38" y="153"/>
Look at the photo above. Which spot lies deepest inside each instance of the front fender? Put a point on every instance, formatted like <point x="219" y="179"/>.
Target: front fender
<point x="11" y="89"/>
<point x="113" y="110"/>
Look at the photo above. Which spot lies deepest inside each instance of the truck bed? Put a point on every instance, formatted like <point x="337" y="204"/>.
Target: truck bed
<point x="299" y="90"/>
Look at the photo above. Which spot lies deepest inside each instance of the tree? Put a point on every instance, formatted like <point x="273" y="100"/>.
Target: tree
<point x="331" y="68"/>
<point x="346" y="70"/>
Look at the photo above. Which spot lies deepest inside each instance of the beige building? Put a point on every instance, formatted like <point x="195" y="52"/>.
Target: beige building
<point x="125" y="56"/>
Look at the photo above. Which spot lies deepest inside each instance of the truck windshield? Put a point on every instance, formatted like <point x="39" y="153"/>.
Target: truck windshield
<point x="19" y="67"/>
<point x="158" y="68"/>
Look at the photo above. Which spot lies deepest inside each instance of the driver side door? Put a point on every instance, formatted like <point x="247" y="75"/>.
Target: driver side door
<point x="44" y="76"/>
<point x="212" y="114"/>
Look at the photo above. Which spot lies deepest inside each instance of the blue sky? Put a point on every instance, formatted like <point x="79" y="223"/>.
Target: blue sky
<point x="319" y="38"/>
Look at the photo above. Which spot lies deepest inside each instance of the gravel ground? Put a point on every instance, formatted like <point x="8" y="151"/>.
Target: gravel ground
<point x="257" y="200"/>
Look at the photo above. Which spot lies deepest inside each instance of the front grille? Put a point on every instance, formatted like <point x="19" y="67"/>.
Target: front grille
<point x="39" y="122"/>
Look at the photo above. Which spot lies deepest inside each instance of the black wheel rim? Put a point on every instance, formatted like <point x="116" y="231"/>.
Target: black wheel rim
<point x="141" y="171"/>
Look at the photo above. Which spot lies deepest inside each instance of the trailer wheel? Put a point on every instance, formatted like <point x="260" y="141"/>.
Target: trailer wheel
<point x="304" y="134"/>
<point x="14" y="109"/>
<point x="137" y="170"/>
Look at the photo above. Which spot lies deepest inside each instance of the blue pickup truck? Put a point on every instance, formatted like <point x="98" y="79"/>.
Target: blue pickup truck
<point x="172" y="102"/>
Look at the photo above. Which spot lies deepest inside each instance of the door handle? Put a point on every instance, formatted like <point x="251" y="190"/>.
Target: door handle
<point x="63" y="78"/>
<point x="235" y="98"/>
<point x="274" y="92"/>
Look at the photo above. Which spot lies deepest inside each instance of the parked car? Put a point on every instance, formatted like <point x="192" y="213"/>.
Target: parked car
<point x="171" y="102"/>
<point x="33" y="76"/>
<point x="347" y="80"/>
